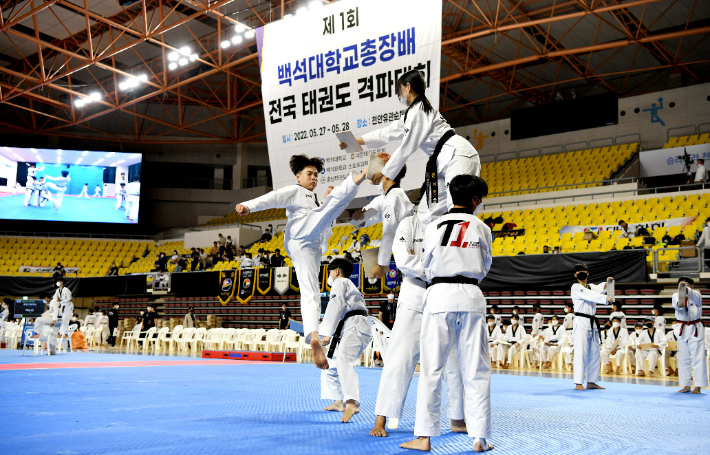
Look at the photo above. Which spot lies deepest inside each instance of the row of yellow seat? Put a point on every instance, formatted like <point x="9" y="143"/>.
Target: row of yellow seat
<point x="683" y="141"/>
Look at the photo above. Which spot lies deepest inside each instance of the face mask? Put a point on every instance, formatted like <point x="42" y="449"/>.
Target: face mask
<point x="491" y="323"/>
<point x="639" y="330"/>
<point x="555" y="323"/>
<point x="390" y="296"/>
<point x="566" y="310"/>
<point x="403" y="97"/>
<point x="649" y="324"/>
<point x="73" y="319"/>
<point x="515" y="311"/>
<point x="330" y="281"/>
<point x="582" y="276"/>
<point x="615" y="325"/>
<point x="59" y="284"/>
<point x="515" y="321"/>
<point x="478" y="209"/>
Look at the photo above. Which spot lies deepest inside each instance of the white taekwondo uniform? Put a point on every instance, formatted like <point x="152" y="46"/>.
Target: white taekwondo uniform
<point x="553" y="340"/>
<point x="658" y="338"/>
<point x="30" y="190"/>
<point x="133" y="197"/>
<point x="90" y="321"/>
<point x="423" y="131"/>
<point x="45" y="195"/>
<point x="659" y="322"/>
<point x="537" y="329"/>
<point x="457" y="255"/>
<point x="59" y="185"/>
<point x="306" y="236"/>
<point x="102" y="323"/>
<point x="120" y="197"/>
<point x="620" y="315"/>
<point x="374" y="218"/>
<point x="355" y="333"/>
<point x="670" y="336"/>
<point x="494" y="337"/>
<point x="513" y="336"/>
<point x="395" y="207"/>
<point x="690" y="334"/>
<point x="3" y="317"/>
<point x="568" y="324"/>
<point x="97" y="191"/>
<point x="84" y="192"/>
<point x="65" y="313"/>
<point x="612" y="335"/>
<point x="586" y="333"/>
<point x="52" y="314"/>
<point x="499" y="319"/>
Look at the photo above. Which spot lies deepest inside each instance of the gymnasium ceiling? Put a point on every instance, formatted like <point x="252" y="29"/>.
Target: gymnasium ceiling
<point x="497" y="55"/>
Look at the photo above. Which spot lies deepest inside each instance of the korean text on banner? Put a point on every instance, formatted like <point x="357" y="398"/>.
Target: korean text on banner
<point x="335" y="69"/>
<point x="650" y="225"/>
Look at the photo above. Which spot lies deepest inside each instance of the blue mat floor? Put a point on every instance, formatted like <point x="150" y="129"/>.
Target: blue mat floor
<point x="96" y="210"/>
<point x="275" y="409"/>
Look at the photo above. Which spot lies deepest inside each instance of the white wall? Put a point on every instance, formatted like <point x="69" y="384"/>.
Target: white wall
<point x="691" y="108"/>
<point x="201" y="239"/>
<point x="8" y="170"/>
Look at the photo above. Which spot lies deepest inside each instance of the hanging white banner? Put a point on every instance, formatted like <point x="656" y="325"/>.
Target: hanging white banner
<point x="334" y="69"/>
<point x="670" y="161"/>
<point x="650" y="225"/>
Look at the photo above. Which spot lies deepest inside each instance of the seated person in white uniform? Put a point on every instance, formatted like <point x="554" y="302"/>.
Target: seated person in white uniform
<point x="552" y="340"/>
<point x="512" y="340"/>
<point x="615" y="344"/>
<point x="495" y="312"/>
<point x="633" y="338"/>
<point x="494" y="337"/>
<point x="654" y="337"/>
<point x="670" y="336"/>
<point x="616" y="311"/>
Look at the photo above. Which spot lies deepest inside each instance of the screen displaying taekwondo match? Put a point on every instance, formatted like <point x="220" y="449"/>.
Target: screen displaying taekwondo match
<point x="69" y="185"/>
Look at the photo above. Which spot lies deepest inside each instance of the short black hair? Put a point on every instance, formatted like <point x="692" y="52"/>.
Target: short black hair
<point x="343" y="264"/>
<point x="494" y="307"/>
<point x="300" y="162"/>
<point x="490" y="316"/>
<point x="401" y="175"/>
<point x="86" y="184"/>
<point x="621" y="221"/>
<point x="464" y="187"/>
<point x="65" y="173"/>
<point x="616" y="318"/>
<point x="277" y="250"/>
<point x="569" y="304"/>
<point x="537" y="307"/>
<point x="516" y="307"/>
<point x="617" y="303"/>
<point x="687" y="279"/>
<point x="554" y="316"/>
<point x="638" y="324"/>
<point x="581" y="267"/>
<point x="658" y="307"/>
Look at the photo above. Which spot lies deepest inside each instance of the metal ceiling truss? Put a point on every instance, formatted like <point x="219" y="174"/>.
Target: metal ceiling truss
<point x="496" y="55"/>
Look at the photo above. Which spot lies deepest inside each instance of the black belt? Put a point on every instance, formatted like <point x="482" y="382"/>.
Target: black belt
<point x="684" y="323"/>
<point x="458" y="279"/>
<point x="336" y="336"/>
<point x="594" y="320"/>
<point x="431" y="179"/>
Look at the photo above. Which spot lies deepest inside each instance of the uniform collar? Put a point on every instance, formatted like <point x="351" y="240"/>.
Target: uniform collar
<point x="396" y="185"/>
<point x="460" y="210"/>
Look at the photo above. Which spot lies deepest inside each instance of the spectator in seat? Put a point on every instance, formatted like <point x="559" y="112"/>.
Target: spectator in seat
<point x="181" y="265"/>
<point x="214" y="253"/>
<point x="156" y="264"/>
<point x="558" y="250"/>
<point x="268" y="233"/>
<point x="113" y="270"/>
<point x="264" y="260"/>
<point x="139" y="319"/>
<point x="228" y="255"/>
<point x="247" y="262"/>
<point x="222" y="244"/>
<point x="276" y="259"/>
<point x="58" y="272"/>
<point x="545" y="249"/>
<point x="195" y="255"/>
<point x="700" y="173"/>
<point x="190" y="321"/>
<point x="205" y="261"/>
<point x="284" y="317"/>
<point x="174" y="258"/>
<point x="625" y="233"/>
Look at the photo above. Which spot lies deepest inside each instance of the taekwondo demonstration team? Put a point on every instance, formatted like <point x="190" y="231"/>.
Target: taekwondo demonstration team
<point x="443" y="251"/>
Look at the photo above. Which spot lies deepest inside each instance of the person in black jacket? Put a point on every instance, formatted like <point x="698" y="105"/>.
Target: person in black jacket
<point x="276" y="259"/>
<point x="112" y="324"/>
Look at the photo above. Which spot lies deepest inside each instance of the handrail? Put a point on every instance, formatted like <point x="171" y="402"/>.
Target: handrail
<point x="543" y="149"/>
<point x="601" y="139"/>
<point x="537" y="150"/>
<point x="638" y="141"/>
<point x="668" y="133"/>
<point x="586" y="146"/>
<point x="604" y="182"/>
<point x="700" y="127"/>
<point x="75" y="235"/>
<point x="588" y="197"/>
<point x="212" y="227"/>
<point x="698" y="255"/>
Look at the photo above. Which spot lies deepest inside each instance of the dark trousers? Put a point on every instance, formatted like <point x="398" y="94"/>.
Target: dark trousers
<point x="111" y="339"/>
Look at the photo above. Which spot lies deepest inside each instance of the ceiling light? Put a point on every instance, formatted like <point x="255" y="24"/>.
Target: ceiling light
<point x="193" y="57"/>
<point x="173" y="56"/>
<point x="225" y="44"/>
<point x="301" y="10"/>
<point x="237" y="39"/>
<point x="110" y="155"/>
<point x="59" y="159"/>
<point x="132" y="83"/>
<point x="314" y="5"/>
<point x="33" y="150"/>
<point x="182" y="61"/>
<point x="135" y="155"/>
<point x="143" y="78"/>
<point x="240" y="28"/>
<point x="95" y="96"/>
<point x="122" y="85"/>
<point x="78" y="161"/>
<point x="119" y="162"/>
<point x="185" y="50"/>
<point x="59" y="152"/>
<point x="86" y="152"/>
<point x="172" y="65"/>
<point x="79" y="102"/>
<point x="112" y="165"/>
<point x="17" y="156"/>
<point x="249" y="35"/>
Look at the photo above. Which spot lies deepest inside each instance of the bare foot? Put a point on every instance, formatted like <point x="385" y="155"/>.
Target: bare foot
<point x="616" y="371"/>
<point x="641" y="374"/>
<point x="422" y="443"/>
<point x="579" y="387"/>
<point x="336" y="406"/>
<point x="319" y="357"/>
<point x="696" y="391"/>
<point x="379" y="428"/>
<point x="607" y="370"/>
<point x="650" y="374"/>
<point x="458" y="426"/>
<point x="478" y="445"/>
<point x="591" y="385"/>
<point x="685" y="389"/>
<point x="505" y="366"/>
<point x="350" y="410"/>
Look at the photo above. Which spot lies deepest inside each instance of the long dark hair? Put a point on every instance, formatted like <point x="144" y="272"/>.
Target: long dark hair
<point x="416" y="81"/>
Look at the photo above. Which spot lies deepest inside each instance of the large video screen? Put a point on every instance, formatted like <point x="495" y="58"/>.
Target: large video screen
<point x="69" y="185"/>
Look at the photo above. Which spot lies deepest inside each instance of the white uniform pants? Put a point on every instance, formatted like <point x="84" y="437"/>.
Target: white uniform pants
<point x="459" y="165"/>
<point x="646" y="354"/>
<point x="303" y="244"/>
<point x="83" y="193"/>
<point x="40" y="324"/>
<point x="548" y="352"/>
<point x="341" y="382"/>
<point x="60" y="190"/>
<point x="402" y="359"/>
<point x="606" y="356"/>
<point x="104" y="333"/>
<point x="440" y="333"/>
<point x="119" y="202"/>
<point x="586" y="351"/>
<point x="512" y="352"/>
<point x="691" y="358"/>
<point x="132" y="203"/>
<point x="497" y="353"/>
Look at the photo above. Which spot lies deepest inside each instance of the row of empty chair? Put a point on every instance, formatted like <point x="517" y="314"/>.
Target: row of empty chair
<point x="683" y="141"/>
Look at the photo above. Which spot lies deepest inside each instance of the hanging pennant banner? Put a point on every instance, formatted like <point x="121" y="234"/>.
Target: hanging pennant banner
<point x="281" y="279"/>
<point x="392" y="278"/>
<point x="226" y="285"/>
<point x="355" y="276"/>
<point x="323" y="278"/>
<point x="263" y="282"/>
<point x="334" y="69"/>
<point x="293" y="281"/>
<point x="246" y="285"/>
<point x="372" y="286"/>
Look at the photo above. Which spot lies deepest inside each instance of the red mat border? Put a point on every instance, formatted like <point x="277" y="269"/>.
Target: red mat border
<point x="125" y="364"/>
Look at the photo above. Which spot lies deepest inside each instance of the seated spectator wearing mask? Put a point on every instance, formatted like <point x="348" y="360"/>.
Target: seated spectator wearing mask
<point x="174" y="258"/>
<point x="205" y="261"/>
<point x="113" y="270"/>
<point x="268" y="233"/>
<point x="181" y="265"/>
<point x="545" y="249"/>
<point x="247" y="262"/>
<point x="625" y="233"/>
<point x="558" y="250"/>
<point x="276" y="259"/>
<point x="195" y="259"/>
